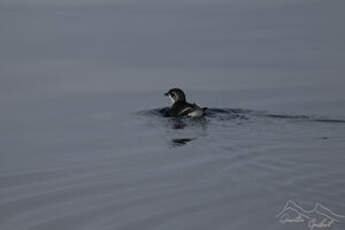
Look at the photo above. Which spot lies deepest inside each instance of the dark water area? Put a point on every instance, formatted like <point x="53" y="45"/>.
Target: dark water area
<point x="224" y="113"/>
<point x="229" y="116"/>
<point x="85" y="143"/>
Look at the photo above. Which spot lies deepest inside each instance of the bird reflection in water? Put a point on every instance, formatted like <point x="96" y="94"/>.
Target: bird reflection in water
<point x="181" y="141"/>
<point x="188" y="125"/>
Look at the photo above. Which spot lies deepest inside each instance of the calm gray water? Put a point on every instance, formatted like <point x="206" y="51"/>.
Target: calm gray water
<point x="83" y="142"/>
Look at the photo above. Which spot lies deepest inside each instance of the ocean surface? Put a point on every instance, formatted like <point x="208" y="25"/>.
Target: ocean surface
<point x="85" y="145"/>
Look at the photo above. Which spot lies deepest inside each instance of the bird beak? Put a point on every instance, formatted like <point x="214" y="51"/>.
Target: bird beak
<point x="166" y="94"/>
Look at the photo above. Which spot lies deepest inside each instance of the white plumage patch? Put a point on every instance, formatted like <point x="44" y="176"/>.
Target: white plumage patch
<point x="172" y="99"/>
<point x="185" y="110"/>
<point x="196" y="113"/>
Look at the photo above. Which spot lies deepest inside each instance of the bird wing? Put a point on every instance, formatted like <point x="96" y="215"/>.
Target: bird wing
<point x="188" y="109"/>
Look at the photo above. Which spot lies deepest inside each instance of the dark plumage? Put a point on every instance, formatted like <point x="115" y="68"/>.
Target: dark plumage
<point x="181" y="107"/>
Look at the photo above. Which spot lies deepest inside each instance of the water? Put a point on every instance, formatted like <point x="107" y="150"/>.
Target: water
<point x="84" y="144"/>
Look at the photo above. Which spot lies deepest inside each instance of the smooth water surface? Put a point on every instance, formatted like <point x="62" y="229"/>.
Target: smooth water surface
<point x="83" y="141"/>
